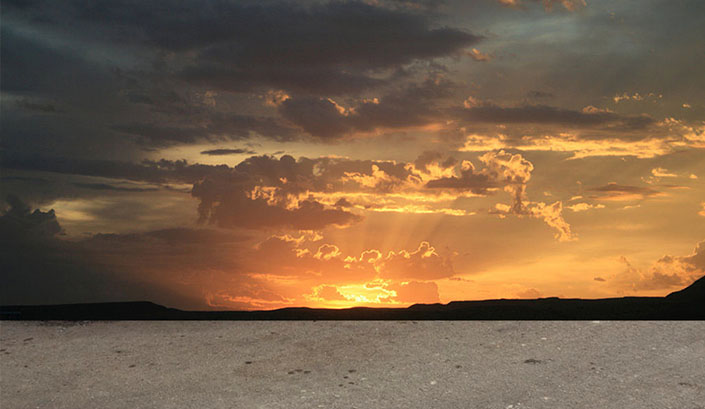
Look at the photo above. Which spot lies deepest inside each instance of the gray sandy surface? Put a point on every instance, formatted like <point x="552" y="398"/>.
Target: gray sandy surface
<point x="352" y="365"/>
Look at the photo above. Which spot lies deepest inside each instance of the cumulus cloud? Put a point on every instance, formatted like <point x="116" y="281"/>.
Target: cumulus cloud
<point x="263" y="192"/>
<point x="294" y="257"/>
<point x="668" y="272"/>
<point x="636" y="97"/>
<point x="510" y="172"/>
<point x="468" y="179"/>
<point x="20" y="222"/>
<point x="502" y="170"/>
<point x="662" y="173"/>
<point x="423" y="263"/>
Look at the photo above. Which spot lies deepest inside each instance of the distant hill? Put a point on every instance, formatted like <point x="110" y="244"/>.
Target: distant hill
<point x="686" y="304"/>
<point x="694" y="292"/>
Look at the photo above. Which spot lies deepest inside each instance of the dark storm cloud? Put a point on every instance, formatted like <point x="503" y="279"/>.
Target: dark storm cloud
<point x="20" y="222"/>
<point x="222" y="152"/>
<point x="38" y="267"/>
<point x="126" y="76"/>
<point x="323" y="48"/>
<point x="412" y="105"/>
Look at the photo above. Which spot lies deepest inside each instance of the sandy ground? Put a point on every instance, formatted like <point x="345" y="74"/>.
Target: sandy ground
<point x="506" y="365"/>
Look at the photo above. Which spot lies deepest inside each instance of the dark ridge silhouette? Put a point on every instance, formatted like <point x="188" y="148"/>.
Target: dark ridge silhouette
<point x="686" y="304"/>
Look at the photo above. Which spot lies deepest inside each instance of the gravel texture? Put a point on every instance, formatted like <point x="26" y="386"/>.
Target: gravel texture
<point x="347" y="364"/>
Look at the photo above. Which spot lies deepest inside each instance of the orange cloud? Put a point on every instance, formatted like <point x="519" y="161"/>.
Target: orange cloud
<point x="476" y="55"/>
<point x="666" y="273"/>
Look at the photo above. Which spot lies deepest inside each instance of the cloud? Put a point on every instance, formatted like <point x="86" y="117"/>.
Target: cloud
<point x="263" y="192"/>
<point x="222" y="152"/>
<point x="213" y="127"/>
<point x="468" y="179"/>
<point x="41" y="268"/>
<point x="662" y="173"/>
<point x="512" y="173"/>
<point x="319" y="48"/>
<point x="569" y="5"/>
<point x="159" y="86"/>
<point x="234" y="209"/>
<point x="636" y="97"/>
<point x="615" y="192"/>
<point x="662" y="138"/>
<point x="109" y="187"/>
<point x="424" y="263"/>
<point x="581" y="207"/>
<point x="19" y="222"/>
<point x="148" y="170"/>
<point x="544" y="114"/>
<point x="287" y="256"/>
<point x="288" y="55"/>
<point x="476" y="55"/>
<point x="410" y="106"/>
<point x="668" y="272"/>
<point x="502" y="170"/>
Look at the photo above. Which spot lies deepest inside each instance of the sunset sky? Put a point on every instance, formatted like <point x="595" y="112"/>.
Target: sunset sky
<point x="260" y="154"/>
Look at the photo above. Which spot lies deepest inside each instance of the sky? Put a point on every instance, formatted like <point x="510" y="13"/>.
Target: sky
<point x="264" y="154"/>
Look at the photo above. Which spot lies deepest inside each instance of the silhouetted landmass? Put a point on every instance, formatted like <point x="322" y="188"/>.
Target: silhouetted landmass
<point x="686" y="304"/>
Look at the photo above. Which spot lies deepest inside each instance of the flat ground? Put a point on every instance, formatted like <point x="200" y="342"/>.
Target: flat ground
<point x="352" y="365"/>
